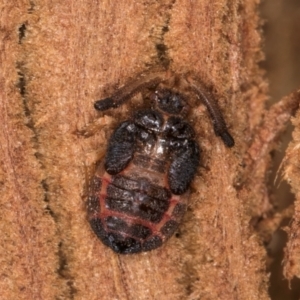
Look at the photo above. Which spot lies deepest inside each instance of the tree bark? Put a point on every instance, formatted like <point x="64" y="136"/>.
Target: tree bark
<point x="57" y="58"/>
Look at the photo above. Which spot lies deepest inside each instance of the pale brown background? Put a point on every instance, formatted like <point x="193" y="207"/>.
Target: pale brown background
<point x="56" y="58"/>
<point x="282" y="47"/>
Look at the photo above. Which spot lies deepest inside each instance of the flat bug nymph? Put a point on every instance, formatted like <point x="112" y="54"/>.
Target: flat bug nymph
<point x="139" y="191"/>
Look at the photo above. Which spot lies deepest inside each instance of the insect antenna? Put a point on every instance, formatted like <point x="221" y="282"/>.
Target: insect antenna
<point x="126" y="92"/>
<point x="213" y="108"/>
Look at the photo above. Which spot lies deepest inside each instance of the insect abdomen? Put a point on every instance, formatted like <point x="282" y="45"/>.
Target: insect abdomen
<point x="131" y="215"/>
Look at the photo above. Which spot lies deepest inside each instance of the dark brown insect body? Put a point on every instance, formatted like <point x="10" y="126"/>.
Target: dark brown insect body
<point x="139" y="193"/>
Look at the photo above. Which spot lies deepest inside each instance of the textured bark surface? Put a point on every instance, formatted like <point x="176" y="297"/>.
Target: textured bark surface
<point x="57" y="58"/>
<point x="292" y="175"/>
<point x="283" y="69"/>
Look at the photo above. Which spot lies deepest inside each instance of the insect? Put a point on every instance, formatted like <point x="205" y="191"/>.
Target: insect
<point x="139" y="191"/>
